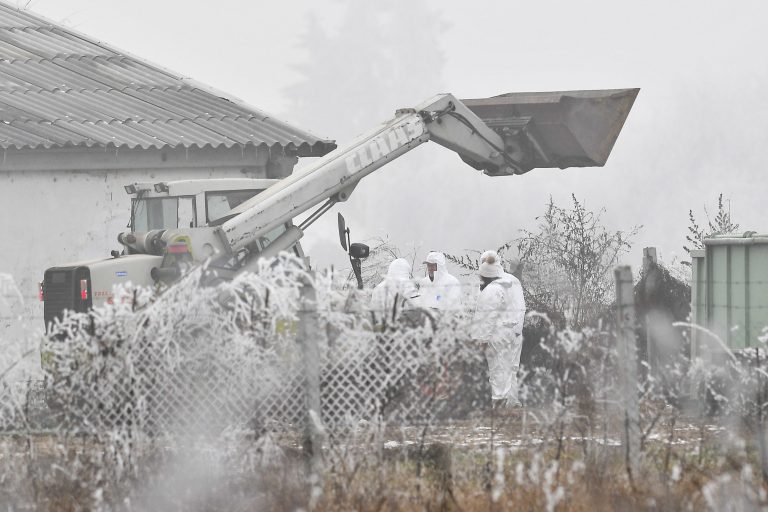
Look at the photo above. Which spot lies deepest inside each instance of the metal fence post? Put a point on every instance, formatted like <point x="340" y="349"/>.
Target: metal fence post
<point x="308" y="338"/>
<point x="627" y="351"/>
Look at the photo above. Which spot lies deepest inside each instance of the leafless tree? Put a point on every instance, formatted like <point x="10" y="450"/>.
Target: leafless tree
<point x="568" y="261"/>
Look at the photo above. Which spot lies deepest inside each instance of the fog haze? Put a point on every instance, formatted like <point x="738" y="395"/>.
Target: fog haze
<point x="698" y="128"/>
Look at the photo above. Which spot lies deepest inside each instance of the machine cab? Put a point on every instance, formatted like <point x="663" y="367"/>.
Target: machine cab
<point x="188" y="203"/>
<point x="195" y="203"/>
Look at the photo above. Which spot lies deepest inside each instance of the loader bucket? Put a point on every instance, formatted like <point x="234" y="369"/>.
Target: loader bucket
<point x="557" y="129"/>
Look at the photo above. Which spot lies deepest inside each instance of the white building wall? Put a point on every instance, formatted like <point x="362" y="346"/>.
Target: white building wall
<point x="51" y="218"/>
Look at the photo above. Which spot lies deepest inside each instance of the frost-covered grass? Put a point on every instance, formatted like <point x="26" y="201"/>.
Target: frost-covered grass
<point x="456" y="468"/>
<point x="509" y="478"/>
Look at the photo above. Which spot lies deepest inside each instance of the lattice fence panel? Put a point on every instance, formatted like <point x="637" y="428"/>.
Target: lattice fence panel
<point x="404" y="376"/>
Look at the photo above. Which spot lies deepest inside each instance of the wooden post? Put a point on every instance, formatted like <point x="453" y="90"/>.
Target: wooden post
<point x="649" y="257"/>
<point x="650" y="260"/>
<point x="627" y="351"/>
<point x="312" y="439"/>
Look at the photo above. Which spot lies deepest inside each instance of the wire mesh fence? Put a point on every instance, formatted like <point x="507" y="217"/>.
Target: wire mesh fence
<point x="199" y="359"/>
<point x="128" y="387"/>
<point x="205" y="359"/>
<point x="404" y="376"/>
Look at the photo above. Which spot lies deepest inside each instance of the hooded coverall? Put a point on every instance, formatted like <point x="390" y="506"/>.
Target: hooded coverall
<point x="444" y="292"/>
<point x="498" y="322"/>
<point x="392" y="294"/>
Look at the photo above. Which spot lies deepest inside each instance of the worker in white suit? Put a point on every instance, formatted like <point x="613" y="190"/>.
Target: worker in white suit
<point x="439" y="289"/>
<point x="396" y="292"/>
<point x="498" y="325"/>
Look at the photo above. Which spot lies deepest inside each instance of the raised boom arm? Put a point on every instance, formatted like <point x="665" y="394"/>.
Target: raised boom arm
<point x="505" y="135"/>
<point x="442" y="119"/>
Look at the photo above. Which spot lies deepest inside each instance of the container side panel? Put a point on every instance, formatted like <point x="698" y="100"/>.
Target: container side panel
<point x="718" y="291"/>
<point x="758" y="289"/>
<point x="737" y="318"/>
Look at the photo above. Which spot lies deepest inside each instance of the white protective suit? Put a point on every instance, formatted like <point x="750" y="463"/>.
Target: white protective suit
<point x="444" y="292"/>
<point x="393" y="294"/>
<point x="498" y="322"/>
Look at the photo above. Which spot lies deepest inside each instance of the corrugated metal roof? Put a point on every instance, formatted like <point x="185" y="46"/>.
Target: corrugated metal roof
<point x="59" y="88"/>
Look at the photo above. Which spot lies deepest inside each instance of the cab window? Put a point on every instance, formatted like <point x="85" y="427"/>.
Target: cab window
<point x="162" y="213"/>
<point x="218" y="204"/>
<point x="186" y="212"/>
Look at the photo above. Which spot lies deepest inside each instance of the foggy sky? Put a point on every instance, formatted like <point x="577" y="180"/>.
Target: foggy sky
<point x="698" y="128"/>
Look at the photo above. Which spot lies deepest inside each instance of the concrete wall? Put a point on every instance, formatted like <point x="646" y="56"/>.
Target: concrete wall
<point x="56" y="216"/>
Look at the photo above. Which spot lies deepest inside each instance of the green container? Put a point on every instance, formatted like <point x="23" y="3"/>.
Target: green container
<point x="729" y="292"/>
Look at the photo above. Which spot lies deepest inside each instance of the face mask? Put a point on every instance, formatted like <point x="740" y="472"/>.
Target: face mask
<point x="484" y="282"/>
